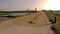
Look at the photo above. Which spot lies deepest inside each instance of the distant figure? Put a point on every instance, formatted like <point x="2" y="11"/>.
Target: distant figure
<point x="28" y="9"/>
<point x="35" y="9"/>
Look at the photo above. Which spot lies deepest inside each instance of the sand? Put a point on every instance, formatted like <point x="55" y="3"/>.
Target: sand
<point x="21" y="25"/>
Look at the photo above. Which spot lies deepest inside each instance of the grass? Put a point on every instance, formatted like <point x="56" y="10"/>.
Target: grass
<point x="51" y="16"/>
<point x="5" y="13"/>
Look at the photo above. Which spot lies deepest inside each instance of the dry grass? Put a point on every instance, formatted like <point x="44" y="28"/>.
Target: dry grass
<point x="51" y="16"/>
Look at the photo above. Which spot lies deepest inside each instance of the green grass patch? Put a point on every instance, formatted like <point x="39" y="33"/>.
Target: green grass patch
<point x="5" y="13"/>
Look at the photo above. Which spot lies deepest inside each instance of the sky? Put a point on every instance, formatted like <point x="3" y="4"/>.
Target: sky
<point x="12" y="5"/>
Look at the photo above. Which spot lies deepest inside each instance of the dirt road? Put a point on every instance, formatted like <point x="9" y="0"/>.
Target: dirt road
<point x="21" y="25"/>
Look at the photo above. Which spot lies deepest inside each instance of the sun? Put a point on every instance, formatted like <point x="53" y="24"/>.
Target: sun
<point x="52" y="5"/>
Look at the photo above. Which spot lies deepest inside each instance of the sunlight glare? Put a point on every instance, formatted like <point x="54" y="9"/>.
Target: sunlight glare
<point x="53" y="5"/>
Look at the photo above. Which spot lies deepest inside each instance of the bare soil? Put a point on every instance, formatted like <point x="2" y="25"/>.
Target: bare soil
<point x="21" y="25"/>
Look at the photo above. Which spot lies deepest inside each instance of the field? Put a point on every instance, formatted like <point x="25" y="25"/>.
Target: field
<point x="51" y="16"/>
<point x="35" y="23"/>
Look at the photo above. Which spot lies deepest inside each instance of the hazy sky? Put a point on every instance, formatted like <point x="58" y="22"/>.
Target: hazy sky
<point x="53" y="5"/>
<point x="31" y="4"/>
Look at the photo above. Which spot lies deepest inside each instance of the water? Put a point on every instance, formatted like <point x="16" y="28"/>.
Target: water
<point x="4" y="19"/>
<point x="18" y="14"/>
